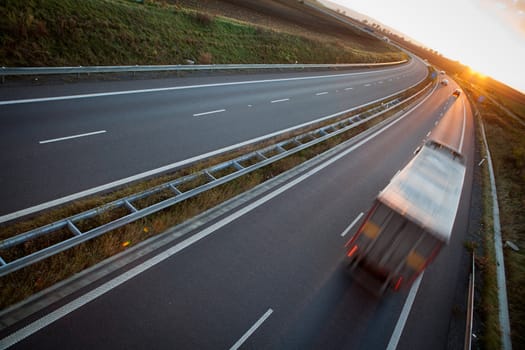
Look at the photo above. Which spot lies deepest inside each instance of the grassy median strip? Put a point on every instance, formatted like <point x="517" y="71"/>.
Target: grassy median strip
<point x="507" y="146"/>
<point x="27" y="281"/>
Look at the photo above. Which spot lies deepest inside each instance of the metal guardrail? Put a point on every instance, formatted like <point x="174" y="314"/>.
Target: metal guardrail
<point x="17" y="71"/>
<point x="211" y="177"/>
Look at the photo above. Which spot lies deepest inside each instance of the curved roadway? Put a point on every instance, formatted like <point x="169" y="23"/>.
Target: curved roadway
<point x="269" y="275"/>
<point x="58" y="140"/>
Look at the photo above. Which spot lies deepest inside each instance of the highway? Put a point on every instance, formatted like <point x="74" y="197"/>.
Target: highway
<point x="269" y="274"/>
<point x="62" y="139"/>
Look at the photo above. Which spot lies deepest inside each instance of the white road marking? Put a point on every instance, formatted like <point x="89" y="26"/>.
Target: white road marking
<point x="351" y="225"/>
<point x="281" y="100"/>
<point x="72" y="137"/>
<point x="482" y="161"/>
<point x="210" y="112"/>
<point x="398" y="330"/>
<point x="252" y="329"/>
<point x="321" y="93"/>
<point x="428" y="134"/>
<point x="463" y="130"/>
<point x="349" y="89"/>
<point x="172" y="88"/>
<point x="368" y="85"/>
<point x="82" y="300"/>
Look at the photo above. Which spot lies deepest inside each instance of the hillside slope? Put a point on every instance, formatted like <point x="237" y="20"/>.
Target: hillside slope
<point x="124" y="32"/>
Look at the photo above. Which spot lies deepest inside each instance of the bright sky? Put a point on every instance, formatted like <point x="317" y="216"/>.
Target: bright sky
<point x="486" y="35"/>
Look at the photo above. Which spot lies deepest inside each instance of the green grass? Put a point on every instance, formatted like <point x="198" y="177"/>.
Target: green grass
<point x="507" y="146"/>
<point x="119" y="32"/>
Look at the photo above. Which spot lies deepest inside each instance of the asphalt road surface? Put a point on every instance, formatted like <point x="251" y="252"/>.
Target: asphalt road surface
<point x="270" y="275"/>
<point x="59" y="140"/>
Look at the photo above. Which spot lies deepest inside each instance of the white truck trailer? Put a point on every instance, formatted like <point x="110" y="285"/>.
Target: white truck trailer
<point x="409" y="222"/>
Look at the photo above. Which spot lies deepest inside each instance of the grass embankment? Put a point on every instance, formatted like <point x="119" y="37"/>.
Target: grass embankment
<point x="506" y="139"/>
<point x="120" y="32"/>
<point x="27" y="281"/>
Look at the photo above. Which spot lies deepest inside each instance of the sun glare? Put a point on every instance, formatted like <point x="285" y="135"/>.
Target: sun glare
<point x="465" y="30"/>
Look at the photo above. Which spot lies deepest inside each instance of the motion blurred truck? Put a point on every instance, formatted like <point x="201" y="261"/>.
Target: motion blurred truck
<point x="409" y="222"/>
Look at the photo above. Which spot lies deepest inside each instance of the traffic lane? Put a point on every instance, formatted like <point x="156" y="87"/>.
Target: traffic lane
<point x="29" y="123"/>
<point x="143" y="138"/>
<point x="67" y="110"/>
<point x="437" y="311"/>
<point x="210" y="293"/>
<point x="42" y="88"/>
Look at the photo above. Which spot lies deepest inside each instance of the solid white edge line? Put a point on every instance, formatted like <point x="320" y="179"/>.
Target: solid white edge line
<point x="281" y="100"/>
<point x="351" y="225"/>
<point x="111" y="284"/>
<point x="210" y="112"/>
<point x="398" y="330"/>
<point x="72" y="137"/>
<point x="464" y="125"/>
<point x="172" y="88"/>
<point x="252" y="329"/>
<point x="88" y="192"/>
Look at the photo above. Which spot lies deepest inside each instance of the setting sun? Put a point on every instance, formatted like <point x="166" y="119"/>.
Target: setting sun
<point x="486" y="35"/>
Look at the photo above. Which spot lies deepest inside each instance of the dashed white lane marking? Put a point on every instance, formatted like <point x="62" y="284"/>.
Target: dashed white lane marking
<point x="351" y="225"/>
<point x="173" y="88"/>
<point x="252" y="329"/>
<point x="72" y="137"/>
<point x="281" y="100"/>
<point x="349" y="89"/>
<point x="321" y="93"/>
<point x="368" y="85"/>
<point x="428" y="134"/>
<point x="210" y="112"/>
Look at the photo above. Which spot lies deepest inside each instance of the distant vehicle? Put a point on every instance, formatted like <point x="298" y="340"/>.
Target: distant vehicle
<point x="444" y="82"/>
<point x="409" y="222"/>
<point x="456" y="93"/>
<point x="442" y="72"/>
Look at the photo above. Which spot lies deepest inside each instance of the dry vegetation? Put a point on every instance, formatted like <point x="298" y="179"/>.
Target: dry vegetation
<point x="507" y="146"/>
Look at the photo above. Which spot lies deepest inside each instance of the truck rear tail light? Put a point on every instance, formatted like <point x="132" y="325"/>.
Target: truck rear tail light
<point x="398" y="283"/>
<point x="352" y="251"/>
